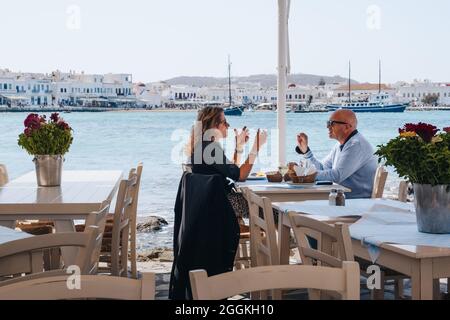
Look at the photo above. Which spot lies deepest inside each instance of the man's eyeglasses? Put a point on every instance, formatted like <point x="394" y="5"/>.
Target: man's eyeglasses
<point x="330" y="123"/>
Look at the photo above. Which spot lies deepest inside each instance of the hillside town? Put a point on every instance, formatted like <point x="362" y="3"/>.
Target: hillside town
<point x="80" y="91"/>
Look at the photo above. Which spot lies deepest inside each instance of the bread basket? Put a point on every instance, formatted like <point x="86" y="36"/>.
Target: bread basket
<point x="303" y="179"/>
<point x="274" y="176"/>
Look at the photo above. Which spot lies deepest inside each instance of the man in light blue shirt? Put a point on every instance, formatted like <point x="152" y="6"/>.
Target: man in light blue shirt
<point x="351" y="163"/>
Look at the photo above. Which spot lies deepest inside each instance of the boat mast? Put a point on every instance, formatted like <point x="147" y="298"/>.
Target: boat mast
<point x="379" y="76"/>
<point x="229" y="80"/>
<point x="349" y="83"/>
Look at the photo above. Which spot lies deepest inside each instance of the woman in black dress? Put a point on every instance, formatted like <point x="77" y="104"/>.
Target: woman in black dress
<point x="208" y="157"/>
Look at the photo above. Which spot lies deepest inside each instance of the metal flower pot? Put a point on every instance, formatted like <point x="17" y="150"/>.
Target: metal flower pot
<point x="48" y="170"/>
<point x="432" y="208"/>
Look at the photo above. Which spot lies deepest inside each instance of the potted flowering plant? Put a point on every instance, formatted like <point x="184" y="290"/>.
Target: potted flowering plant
<point x="47" y="141"/>
<point x="422" y="155"/>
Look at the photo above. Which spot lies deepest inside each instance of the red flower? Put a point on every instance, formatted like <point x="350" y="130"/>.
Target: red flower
<point x="28" y="132"/>
<point x="63" y="125"/>
<point x="423" y="130"/>
<point x="33" y="121"/>
<point x="54" y="117"/>
<point x="447" y="129"/>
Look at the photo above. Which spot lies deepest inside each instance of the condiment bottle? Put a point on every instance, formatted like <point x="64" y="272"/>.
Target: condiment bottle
<point x="340" y="198"/>
<point x="332" y="197"/>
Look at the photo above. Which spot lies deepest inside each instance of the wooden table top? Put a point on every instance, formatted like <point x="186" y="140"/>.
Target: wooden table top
<point x="79" y="191"/>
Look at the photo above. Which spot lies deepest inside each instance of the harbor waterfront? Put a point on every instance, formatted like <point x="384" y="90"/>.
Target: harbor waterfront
<point x="116" y="140"/>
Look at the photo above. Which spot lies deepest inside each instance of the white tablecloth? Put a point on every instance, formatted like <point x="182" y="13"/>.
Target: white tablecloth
<point x="353" y="207"/>
<point x="385" y="226"/>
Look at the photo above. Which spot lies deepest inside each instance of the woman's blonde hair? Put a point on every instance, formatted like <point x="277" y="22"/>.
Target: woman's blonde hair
<point x="207" y="118"/>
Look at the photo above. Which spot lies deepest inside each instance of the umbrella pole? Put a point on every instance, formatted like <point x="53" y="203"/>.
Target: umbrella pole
<point x="282" y="81"/>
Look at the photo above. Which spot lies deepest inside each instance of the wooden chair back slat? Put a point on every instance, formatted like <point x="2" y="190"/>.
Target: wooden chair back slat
<point x="333" y="241"/>
<point x="343" y="280"/>
<point x="3" y="175"/>
<point x="265" y="248"/>
<point x="124" y="225"/>
<point x="379" y="182"/>
<point x="91" y="287"/>
<point x="403" y="191"/>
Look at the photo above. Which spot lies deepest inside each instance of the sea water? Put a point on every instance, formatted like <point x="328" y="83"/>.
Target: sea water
<point x="119" y="140"/>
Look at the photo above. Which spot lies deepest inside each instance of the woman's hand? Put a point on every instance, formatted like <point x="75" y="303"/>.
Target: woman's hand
<point x="261" y="139"/>
<point x="241" y="138"/>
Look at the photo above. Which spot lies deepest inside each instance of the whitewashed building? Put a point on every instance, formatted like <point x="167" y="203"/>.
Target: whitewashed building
<point x="147" y="96"/>
<point x="58" y="88"/>
<point x="418" y="90"/>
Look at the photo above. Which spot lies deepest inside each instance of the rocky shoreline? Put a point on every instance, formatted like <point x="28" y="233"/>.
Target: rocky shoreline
<point x="159" y="259"/>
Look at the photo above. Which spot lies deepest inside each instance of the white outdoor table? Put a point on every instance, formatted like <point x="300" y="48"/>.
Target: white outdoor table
<point x="284" y="192"/>
<point x="80" y="193"/>
<point x="423" y="264"/>
<point x="8" y="234"/>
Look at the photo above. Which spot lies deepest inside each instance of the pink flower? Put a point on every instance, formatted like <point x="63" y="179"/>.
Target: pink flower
<point x="447" y="129"/>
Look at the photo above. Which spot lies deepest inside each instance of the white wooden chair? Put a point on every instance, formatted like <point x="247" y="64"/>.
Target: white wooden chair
<point x="403" y="191"/>
<point x="334" y="247"/>
<point x="90" y="287"/>
<point x="27" y="256"/>
<point x="343" y="280"/>
<point x="115" y="255"/>
<point x="133" y="218"/>
<point x="263" y="237"/>
<point x="379" y="182"/>
<point x="3" y="175"/>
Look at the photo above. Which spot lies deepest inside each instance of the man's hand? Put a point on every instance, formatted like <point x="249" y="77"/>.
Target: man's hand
<point x="302" y="142"/>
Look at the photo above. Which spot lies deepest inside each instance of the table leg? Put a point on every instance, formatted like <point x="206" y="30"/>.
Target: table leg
<point x="283" y="239"/>
<point x="68" y="254"/>
<point x="415" y="280"/>
<point x="426" y="279"/>
<point x="8" y="224"/>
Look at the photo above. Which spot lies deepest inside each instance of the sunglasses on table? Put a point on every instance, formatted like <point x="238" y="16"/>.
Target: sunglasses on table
<point x="330" y="123"/>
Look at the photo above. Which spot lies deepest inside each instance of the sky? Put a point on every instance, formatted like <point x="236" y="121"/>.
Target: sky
<point x="160" y="39"/>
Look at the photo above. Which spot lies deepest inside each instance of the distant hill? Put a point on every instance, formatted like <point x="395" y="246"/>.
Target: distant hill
<point x="266" y="80"/>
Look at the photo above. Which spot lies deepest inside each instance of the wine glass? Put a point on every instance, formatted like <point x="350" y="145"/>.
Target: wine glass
<point x="283" y="169"/>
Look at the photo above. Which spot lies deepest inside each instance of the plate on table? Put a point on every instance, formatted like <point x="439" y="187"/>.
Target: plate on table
<point x="300" y="184"/>
<point x="255" y="176"/>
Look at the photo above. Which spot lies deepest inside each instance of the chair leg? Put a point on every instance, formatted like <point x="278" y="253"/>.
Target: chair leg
<point x="437" y="289"/>
<point x="398" y="289"/>
<point x="448" y="285"/>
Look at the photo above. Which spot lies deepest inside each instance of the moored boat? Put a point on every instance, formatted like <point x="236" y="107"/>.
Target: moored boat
<point x="233" y="111"/>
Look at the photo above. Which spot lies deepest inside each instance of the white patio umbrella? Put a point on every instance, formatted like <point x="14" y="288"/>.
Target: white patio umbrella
<point x="283" y="70"/>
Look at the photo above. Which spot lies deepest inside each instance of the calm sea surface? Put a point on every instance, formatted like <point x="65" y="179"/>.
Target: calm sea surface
<point x="118" y="140"/>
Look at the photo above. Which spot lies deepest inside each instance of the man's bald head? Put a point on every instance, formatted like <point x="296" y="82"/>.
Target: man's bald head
<point x="347" y="116"/>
